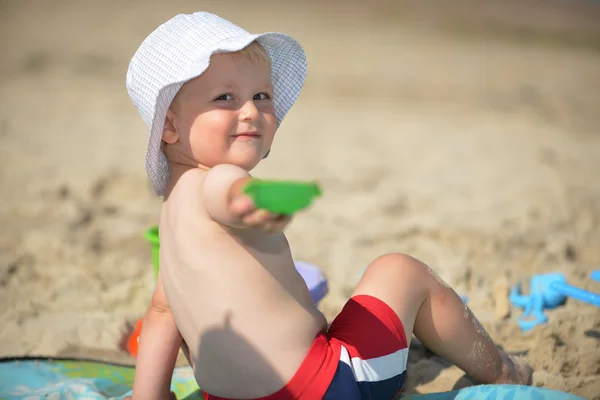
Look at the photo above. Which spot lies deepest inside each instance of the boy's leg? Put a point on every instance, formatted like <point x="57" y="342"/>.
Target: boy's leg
<point x="437" y="316"/>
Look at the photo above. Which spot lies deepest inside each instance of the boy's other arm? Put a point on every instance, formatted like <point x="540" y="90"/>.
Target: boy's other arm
<point x="159" y="344"/>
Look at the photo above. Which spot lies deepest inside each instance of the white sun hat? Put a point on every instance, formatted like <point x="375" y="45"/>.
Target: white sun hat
<point x="179" y="50"/>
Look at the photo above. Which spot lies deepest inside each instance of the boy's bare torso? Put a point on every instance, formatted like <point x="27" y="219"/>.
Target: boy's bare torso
<point x="240" y="304"/>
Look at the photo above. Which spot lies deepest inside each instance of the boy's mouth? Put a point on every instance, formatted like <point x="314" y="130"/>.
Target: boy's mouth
<point x="255" y="135"/>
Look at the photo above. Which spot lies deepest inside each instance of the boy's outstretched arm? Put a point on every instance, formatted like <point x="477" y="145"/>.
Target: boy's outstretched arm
<point x="158" y="348"/>
<point x="225" y="201"/>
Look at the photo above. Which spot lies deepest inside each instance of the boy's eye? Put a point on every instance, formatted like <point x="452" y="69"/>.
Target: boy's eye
<point x="224" y="97"/>
<point x="262" y="96"/>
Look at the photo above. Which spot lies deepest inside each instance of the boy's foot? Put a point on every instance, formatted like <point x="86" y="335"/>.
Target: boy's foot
<point x="515" y="371"/>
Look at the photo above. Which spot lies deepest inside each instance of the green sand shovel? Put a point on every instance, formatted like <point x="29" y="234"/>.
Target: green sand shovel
<point x="282" y="197"/>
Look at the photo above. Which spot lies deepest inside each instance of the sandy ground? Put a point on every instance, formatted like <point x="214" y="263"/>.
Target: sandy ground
<point x="466" y="136"/>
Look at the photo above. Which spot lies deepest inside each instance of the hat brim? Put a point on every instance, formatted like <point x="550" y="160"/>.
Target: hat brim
<point x="288" y="71"/>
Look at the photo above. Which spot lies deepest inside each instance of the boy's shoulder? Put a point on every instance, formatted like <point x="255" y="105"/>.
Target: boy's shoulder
<point x="224" y="174"/>
<point x="209" y="183"/>
<point x="193" y="175"/>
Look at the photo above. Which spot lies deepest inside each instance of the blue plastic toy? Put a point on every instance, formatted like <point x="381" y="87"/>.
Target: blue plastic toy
<point x="548" y="291"/>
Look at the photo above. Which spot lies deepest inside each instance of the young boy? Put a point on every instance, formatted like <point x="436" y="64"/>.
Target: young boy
<point x="213" y="97"/>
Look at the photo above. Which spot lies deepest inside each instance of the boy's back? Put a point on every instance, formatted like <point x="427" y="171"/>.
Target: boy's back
<point x="240" y="305"/>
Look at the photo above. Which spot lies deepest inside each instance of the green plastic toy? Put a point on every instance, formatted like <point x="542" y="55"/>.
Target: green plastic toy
<point x="282" y="197"/>
<point x="151" y="236"/>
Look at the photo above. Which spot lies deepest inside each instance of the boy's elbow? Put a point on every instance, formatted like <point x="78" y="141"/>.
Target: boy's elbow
<point x="158" y="306"/>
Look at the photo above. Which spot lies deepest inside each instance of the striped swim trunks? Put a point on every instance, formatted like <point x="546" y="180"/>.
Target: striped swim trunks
<point x="362" y="356"/>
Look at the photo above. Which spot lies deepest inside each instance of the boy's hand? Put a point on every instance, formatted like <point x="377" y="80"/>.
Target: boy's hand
<point x="242" y="206"/>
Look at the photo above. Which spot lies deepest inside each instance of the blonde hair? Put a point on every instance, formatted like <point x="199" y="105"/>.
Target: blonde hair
<point x="254" y="52"/>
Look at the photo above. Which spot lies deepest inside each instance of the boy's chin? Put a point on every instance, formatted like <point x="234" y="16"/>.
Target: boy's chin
<point x="247" y="163"/>
<point x="245" y="160"/>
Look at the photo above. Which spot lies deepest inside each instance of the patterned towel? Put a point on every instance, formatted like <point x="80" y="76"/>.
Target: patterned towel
<point x="57" y="379"/>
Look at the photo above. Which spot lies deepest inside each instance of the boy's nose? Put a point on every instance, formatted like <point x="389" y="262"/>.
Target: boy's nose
<point x="249" y="111"/>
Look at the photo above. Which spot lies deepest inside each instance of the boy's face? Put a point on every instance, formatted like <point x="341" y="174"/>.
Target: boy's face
<point x="225" y="116"/>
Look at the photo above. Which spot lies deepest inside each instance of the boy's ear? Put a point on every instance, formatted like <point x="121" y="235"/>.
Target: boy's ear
<point x="170" y="134"/>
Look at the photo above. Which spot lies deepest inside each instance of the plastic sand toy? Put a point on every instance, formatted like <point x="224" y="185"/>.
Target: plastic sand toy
<point x="133" y="340"/>
<point x="282" y="197"/>
<point x="548" y="291"/>
<point x="151" y="236"/>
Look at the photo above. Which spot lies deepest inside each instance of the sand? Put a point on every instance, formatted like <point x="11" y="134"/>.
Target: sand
<point x="465" y="136"/>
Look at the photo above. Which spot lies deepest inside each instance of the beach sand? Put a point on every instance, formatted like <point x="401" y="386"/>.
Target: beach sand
<point x="465" y="136"/>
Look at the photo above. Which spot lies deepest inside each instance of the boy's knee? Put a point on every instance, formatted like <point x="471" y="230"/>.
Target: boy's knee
<point x="398" y="264"/>
<point x="398" y="268"/>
